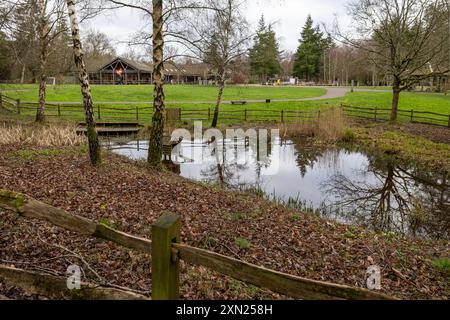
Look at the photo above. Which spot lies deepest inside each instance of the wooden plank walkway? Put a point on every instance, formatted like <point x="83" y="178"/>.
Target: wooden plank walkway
<point x="121" y="130"/>
<point x="112" y="128"/>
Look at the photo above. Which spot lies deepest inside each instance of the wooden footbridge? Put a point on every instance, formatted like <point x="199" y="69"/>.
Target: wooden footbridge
<point x="112" y="128"/>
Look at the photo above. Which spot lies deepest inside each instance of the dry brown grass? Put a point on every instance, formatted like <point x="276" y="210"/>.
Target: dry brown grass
<point x="40" y="135"/>
<point x="329" y="126"/>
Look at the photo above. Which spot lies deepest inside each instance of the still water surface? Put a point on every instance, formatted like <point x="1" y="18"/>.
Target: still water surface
<point x="347" y="186"/>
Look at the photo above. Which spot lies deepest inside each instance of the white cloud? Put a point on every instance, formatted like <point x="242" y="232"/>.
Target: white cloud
<point x="289" y="17"/>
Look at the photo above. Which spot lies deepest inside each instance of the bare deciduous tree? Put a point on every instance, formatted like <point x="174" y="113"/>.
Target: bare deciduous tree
<point x="49" y="14"/>
<point x="6" y="10"/>
<point x="20" y="28"/>
<point x="402" y="200"/>
<point x="96" y="43"/>
<point x="217" y="37"/>
<point x="161" y="16"/>
<point x="405" y="37"/>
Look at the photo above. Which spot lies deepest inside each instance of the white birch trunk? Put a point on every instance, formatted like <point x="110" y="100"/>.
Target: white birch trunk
<point x="94" y="145"/>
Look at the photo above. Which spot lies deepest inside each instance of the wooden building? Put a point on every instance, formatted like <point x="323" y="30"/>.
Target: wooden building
<point x="189" y="73"/>
<point x="122" y="71"/>
<point x="432" y="79"/>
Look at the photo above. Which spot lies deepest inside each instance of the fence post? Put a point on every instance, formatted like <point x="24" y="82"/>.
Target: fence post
<point x="137" y="113"/>
<point x="98" y="112"/>
<point x="282" y="116"/>
<point x="375" y="113"/>
<point x="165" y="262"/>
<point x="59" y="110"/>
<point x="18" y="106"/>
<point x="412" y="115"/>
<point x="209" y="113"/>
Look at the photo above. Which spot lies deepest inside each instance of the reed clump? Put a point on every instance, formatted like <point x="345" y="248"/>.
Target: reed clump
<point x="327" y="125"/>
<point x="40" y="135"/>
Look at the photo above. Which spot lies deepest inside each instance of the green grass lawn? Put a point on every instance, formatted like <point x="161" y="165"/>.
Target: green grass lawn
<point x="435" y="102"/>
<point x="410" y="104"/>
<point x="190" y="98"/>
<point x="144" y="93"/>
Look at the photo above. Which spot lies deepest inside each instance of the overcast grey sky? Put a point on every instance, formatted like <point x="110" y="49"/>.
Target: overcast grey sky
<point x="289" y="17"/>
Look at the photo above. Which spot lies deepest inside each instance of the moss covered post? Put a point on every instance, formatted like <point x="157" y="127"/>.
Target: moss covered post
<point x="11" y="200"/>
<point x="165" y="262"/>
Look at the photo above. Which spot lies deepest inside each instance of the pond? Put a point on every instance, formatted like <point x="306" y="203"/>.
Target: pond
<point x="339" y="184"/>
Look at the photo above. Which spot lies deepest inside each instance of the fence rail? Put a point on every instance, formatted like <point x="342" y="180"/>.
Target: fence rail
<point x="166" y="253"/>
<point x="413" y="116"/>
<point x="56" y="286"/>
<point x="142" y="112"/>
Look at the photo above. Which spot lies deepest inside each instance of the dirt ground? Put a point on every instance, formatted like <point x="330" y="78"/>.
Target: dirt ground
<point x="434" y="133"/>
<point x="129" y="197"/>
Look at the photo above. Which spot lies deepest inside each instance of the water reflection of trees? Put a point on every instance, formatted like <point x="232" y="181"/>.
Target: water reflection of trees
<point x="407" y="201"/>
<point x="306" y="155"/>
<point x="225" y="172"/>
<point x="228" y="172"/>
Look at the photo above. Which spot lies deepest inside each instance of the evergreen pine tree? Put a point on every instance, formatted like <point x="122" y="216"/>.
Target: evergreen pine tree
<point x="307" y="58"/>
<point x="265" y="54"/>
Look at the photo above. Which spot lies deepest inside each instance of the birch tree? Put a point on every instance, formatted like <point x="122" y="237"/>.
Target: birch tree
<point x="217" y="37"/>
<point x="50" y="27"/>
<point x="157" y="128"/>
<point x="161" y="16"/>
<point x="94" y="145"/>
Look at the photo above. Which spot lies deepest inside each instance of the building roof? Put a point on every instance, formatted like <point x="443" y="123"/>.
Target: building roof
<point x="138" y="66"/>
<point x="430" y="69"/>
<point x="170" y="68"/>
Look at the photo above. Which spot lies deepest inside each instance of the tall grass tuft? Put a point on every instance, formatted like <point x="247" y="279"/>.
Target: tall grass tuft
<point x="328" y="125"/>
<point x="38" y="135"/>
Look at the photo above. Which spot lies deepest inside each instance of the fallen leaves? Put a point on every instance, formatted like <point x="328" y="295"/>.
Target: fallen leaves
<point x="130" y="197"/>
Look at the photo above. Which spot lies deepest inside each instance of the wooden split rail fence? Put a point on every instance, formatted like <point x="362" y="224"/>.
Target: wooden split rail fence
<point x="103" y="112"/>
<point x="142" y="112"/>
<point x="382" y="114"/>
<point x="139" y="112"/>
<point x="252" y="115"/>
<point x="166" y="252"/>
